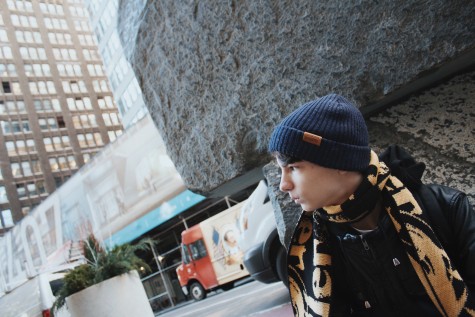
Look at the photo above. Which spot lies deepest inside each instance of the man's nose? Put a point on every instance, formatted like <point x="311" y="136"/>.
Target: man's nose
<point x="285" y="183"/>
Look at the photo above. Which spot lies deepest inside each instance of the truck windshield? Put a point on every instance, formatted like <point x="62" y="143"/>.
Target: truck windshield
<point x="198" y="250"/>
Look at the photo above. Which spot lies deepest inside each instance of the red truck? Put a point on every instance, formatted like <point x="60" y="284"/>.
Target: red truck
<point x="211" y="257"/>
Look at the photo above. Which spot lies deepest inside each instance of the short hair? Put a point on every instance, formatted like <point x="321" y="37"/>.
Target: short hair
<point x="285" y="159"/>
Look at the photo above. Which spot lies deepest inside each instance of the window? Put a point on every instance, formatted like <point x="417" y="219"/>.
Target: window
<point x="82" y="140"/>
<point x="20" y="188"/>
<point x="6" y="87"/>
<point x="36" y="167"/>
<point x="63" y="164"/>
<point x="31" y="187"/>
<point x="54" y="164"/>
<point x="48" y="144"/>
<point x="72" y="162"/>
<point x="40" y="187"/>
<point x="198" y="250"/>
<point x="10" y="145"/>
<point x="7" y="218"/>
<point x="16" y="171"/>
<point x="26" y="167"/>
<point x="3" y="195"/>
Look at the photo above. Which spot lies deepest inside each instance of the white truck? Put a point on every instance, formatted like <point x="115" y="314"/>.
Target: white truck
<point x="264" y="255"/>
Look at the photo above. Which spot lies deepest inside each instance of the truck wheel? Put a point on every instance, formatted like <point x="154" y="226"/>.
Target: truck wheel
<point x="281" y="266"/>
<point x="197" y="291"/>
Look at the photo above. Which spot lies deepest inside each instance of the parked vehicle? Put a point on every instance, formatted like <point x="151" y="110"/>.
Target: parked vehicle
<point x="211" y="256"/>
<point x="34" y="297"/>
<point x="264" y="255"/>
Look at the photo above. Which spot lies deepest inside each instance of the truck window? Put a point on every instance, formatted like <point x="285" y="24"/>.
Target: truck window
<point x="184" y="254"/>
<point x="198" y="250"/>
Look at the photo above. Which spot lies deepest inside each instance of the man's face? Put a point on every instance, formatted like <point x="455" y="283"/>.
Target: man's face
<point x="313" y="186"/>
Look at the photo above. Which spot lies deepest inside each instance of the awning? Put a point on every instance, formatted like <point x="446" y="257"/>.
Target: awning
<point x="154" y="218"/>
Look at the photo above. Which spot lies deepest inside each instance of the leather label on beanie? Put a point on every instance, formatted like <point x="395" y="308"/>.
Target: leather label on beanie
<point x="312" y="138"/>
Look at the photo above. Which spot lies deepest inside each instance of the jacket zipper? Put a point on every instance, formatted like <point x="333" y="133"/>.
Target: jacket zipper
<point x="365" y="243"/>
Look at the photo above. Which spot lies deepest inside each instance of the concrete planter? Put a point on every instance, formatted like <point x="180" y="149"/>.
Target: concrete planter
<point x="122" y="295"/>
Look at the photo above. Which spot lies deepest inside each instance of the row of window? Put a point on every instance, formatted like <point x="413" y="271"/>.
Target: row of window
<point x="119" y="71"/>
<point x="77" y="11"/>
<point x="62" y="163"/>
<point x="34" y="53"/>
<point x="38" y="70"/>
<point x="66" y="54"/>
<point x="60" y="38"/>
<point x="57" y="143"/>
<point x="48" y="105"/>
<point x="11" y="88"/>
<point x="20" y="5"/>
<point x="51" y="8"/>
<point x="114" y="134"/>
<point x="95" y="70"/>
<point x="78" y="103"/>
<point x="24" y="21"/>
<point x="86" y="39"/>
<point x="108" y="17"/>
<point x="82" y="25"/>
<point x="15" y="126"/>
<point x="100" y="85"/>
<point x="56" y="24"/>
<point x="49" y="124"/>
<point x="26" y="168"/>
<point x="23" y="126"/>
<point x="112" y="48"/>
<point x="28" y="37"/>
<point x="90" y="140"/>
<point x="111" y="119"/>
<point x="106" y="102"/>
<point x="20" y="147"/>
<point x="7" y="70"/>
<point x="90" y="55"/>
<point x="74" y="86"/>
<point x="84" y="121"/>
<point x="69" y="70"/>
<point x="30" y="189"/>
<point x="12" y="107"/>
<point x="42" y="87"/>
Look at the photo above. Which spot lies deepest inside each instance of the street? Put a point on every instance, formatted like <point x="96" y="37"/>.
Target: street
<point x="251" y="299"/>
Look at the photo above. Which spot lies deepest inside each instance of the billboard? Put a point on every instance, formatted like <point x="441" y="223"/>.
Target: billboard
<point x="123" y="183"/>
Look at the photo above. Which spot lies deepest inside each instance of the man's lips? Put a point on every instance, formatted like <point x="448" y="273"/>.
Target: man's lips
<point x="295" y="199"/>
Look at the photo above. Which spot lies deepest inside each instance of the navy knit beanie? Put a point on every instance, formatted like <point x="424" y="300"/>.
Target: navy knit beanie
<point x="329" y="131"/>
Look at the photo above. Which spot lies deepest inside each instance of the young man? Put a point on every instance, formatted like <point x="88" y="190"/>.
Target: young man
<point x="364" y="244"/>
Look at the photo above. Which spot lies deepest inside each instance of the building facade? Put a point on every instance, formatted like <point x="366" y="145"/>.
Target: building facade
<point x="125" y="87"/>
<point x="56" y="106"/>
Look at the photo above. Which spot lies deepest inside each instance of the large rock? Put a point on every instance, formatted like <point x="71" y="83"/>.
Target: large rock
<point x="218" y="75"/>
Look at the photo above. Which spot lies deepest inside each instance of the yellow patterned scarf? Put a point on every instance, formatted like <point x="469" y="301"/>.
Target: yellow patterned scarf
<point x="310" y="260"/>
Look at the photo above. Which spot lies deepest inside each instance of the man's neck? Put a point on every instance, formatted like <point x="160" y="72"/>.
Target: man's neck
<point x="369" y="222"/>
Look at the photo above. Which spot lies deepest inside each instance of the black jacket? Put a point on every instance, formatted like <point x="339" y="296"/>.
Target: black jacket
<point x="373" y="275"/>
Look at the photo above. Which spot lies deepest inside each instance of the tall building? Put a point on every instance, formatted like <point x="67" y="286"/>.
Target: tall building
<point x="56" y="107"/>
<point x="126" y="89"/>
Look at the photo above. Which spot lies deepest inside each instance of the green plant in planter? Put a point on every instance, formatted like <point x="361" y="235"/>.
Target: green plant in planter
<point x="101" y="264"/>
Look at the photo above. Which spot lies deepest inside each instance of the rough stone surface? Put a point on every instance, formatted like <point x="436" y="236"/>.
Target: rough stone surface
<point x="218" y="75"/>
<point x="436" y="126"/>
